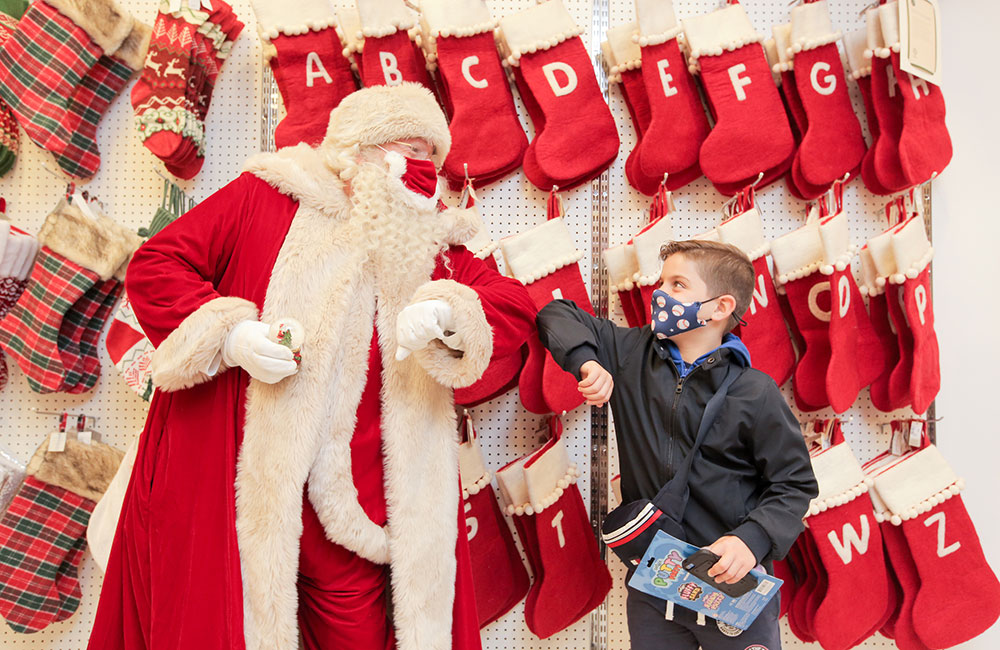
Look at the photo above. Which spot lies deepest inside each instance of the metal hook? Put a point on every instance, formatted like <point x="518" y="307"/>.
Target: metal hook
<point x="760" y="177"/>
<point x="869" y="6"/>
<point x="91" y="418"/>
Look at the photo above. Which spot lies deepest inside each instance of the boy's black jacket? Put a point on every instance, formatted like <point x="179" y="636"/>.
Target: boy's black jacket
<point x="753" y="478"/>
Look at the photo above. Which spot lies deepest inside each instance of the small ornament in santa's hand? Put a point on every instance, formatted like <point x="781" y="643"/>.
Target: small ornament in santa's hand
<point x="290" y="333"/>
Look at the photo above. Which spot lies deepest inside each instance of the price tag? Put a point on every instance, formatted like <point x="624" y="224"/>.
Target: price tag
<point x="86" y="436"/>
<point x="920" y="39"/>
<point x="916" y="433"/>
<point x="898" y="446"/>
<point x="57" y="441"/>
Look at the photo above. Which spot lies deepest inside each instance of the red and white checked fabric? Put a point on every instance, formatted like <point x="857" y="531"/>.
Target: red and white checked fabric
<point x="42" y="538"/>
<point x="30" y="332"/>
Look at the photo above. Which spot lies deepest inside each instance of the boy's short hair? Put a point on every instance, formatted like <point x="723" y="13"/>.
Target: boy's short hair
<point x="724" y="268"/>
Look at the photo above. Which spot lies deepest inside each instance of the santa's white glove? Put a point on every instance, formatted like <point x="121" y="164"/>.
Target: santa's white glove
<point x="422" y="322"/>
<point x="249" y="347"/>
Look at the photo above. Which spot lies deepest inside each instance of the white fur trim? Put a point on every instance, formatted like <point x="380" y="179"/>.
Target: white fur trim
<point x="711" y="235"/>
<point x="547" y="474"/>
<point x="471" y="467"/>
<point x="888" y="18"/>
<point x="180" y="361"/>
<point x="97" y="244"/>
<point x="625" y="53"/>
<point x="107" y="24"/>
<point x="622" y="266"/>
<point x="301" y="173"/>
<point x="782" y="40"/>
<point x="132" y="52"/>
<point x="798" y="253"/>
<point x="318" y="280"/>
<point x="449" y="367"/>
<point x="540" y="251"/>
<point x="876" y="44"/>
<point x="537" y="28"/>
<point x="381" y="18"/>
<point x="839" y="476"/>
<point x="745" y="231"/>
<point x="912" y="250"/>
<point x="381" y="114"/>
<point x="276" y="17"/>
<point x="855" y="45"/>
<point x="917" y="484"/>
<point x="647" y="250"/>
<point x="349" y="31"/>
<point x="811" y="27"/>
<point x="837" y="247"/>
<point x="656" y="22"/>
<point x="723" y="30"/>
<point x="456" y="17"/>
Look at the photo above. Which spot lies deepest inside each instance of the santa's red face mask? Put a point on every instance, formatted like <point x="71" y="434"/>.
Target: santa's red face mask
<point x="419" y="176"/>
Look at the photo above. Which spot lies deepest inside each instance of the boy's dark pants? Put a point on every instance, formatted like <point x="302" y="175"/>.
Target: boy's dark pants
<point x="650" y="630"/>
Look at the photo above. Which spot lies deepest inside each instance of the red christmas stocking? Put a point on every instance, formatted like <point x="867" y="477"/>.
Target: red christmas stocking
<point x="622" y="58"/>
<point x="913" y="253"/>
<point x="899" y="626"/>
<point x="878" y="262"/>
<point x="390" y="56"/>
<point x="924" y="143"/>
<point x="959" y="595"/>
<point x="797" y="257"/>
<point x="832" y="144"/>
<point x="887" y="101"/>
<point x="795" y="592"/>
<point x="856" y="354"/>
<point x="899" y="391"/>
<point x="311" y="73"/>
<point x="764" y="333"/>
<point x="498" y="574"/>
<point x="803" y="613"/>
<point x="842" y="522"/>
<point x="570" y="579"/>
<point x="622" y="266"/>
<point x="678" y="124"/>
<point x="485" y="132"/>
<point x="647" y="245"/>
<point x="859" y="59"/>
<point x="780" y="58"/>
<point x="545" y="260"/>
<point x="579" y="139"/>
<point x="783" y="571"/>
<point x="751" y="133"/>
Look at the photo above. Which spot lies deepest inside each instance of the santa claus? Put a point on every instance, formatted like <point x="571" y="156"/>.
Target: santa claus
<point x="269" y="497"/>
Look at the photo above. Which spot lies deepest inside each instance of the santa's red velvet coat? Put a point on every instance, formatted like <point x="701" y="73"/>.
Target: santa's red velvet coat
<point x="206" y="552"/>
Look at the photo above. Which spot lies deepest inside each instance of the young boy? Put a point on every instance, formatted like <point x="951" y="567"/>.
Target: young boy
<point x="752" y="482"/>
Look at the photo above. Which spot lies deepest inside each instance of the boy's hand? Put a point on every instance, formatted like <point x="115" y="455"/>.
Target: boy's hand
<point x="735" y="559"/>
<point x="596" y="385"/>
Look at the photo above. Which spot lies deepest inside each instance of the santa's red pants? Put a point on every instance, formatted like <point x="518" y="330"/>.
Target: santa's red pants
<point x="342" y="596"/>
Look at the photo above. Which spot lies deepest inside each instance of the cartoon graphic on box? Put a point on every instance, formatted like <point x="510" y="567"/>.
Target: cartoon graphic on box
<point x="669" y="569"/>
<point x="713" y="599"/>
<point x="661" y="574"/>
<point x="690" y="591"/>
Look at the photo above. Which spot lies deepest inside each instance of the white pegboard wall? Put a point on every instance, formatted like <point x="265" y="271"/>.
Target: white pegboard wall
<point x="130" y="190"/>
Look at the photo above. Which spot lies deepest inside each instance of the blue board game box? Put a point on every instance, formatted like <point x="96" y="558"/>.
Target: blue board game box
<point x="661" y="574"/>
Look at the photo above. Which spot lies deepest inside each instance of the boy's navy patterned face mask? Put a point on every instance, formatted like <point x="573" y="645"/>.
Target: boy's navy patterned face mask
<point x="671" y="316"/>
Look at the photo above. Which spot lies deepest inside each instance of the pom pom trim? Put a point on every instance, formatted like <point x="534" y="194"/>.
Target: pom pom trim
<point x="818" y="506"/>
<point x="926" y="505"/>
<point x="804" y="45"/>
<point x="656" y="39"/>
<point x="571" y="476"/>
<point x="317" y="25"/>
<point x="540" y="272"/>
<point x="543" y="44"/>
<point x="477" y="486"/>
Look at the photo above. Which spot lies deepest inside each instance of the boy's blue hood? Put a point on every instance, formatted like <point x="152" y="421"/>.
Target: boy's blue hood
<point x="668" y="350"/>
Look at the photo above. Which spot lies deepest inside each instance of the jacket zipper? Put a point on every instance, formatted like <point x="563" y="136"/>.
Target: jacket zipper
<point x="673" y="416"/>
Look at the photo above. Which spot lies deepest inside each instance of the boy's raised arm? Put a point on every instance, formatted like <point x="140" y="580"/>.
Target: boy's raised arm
<point x="574" y="336"/>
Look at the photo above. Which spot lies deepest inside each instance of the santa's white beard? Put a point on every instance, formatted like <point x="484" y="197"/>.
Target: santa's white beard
<point x="401" y="237"/>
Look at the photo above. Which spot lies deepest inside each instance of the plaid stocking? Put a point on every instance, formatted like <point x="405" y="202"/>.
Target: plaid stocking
<point x="15" y="263"/>
<point x="42" y="63"/>
<point x="10" y="12"/>
<point x="77" y="134"/>
<point x="63" y="281"/>
<point x="87" y="370"/>
<point x="42" y="534"/>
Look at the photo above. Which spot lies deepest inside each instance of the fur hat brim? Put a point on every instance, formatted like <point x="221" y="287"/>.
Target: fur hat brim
<point x="381" y="114"/>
